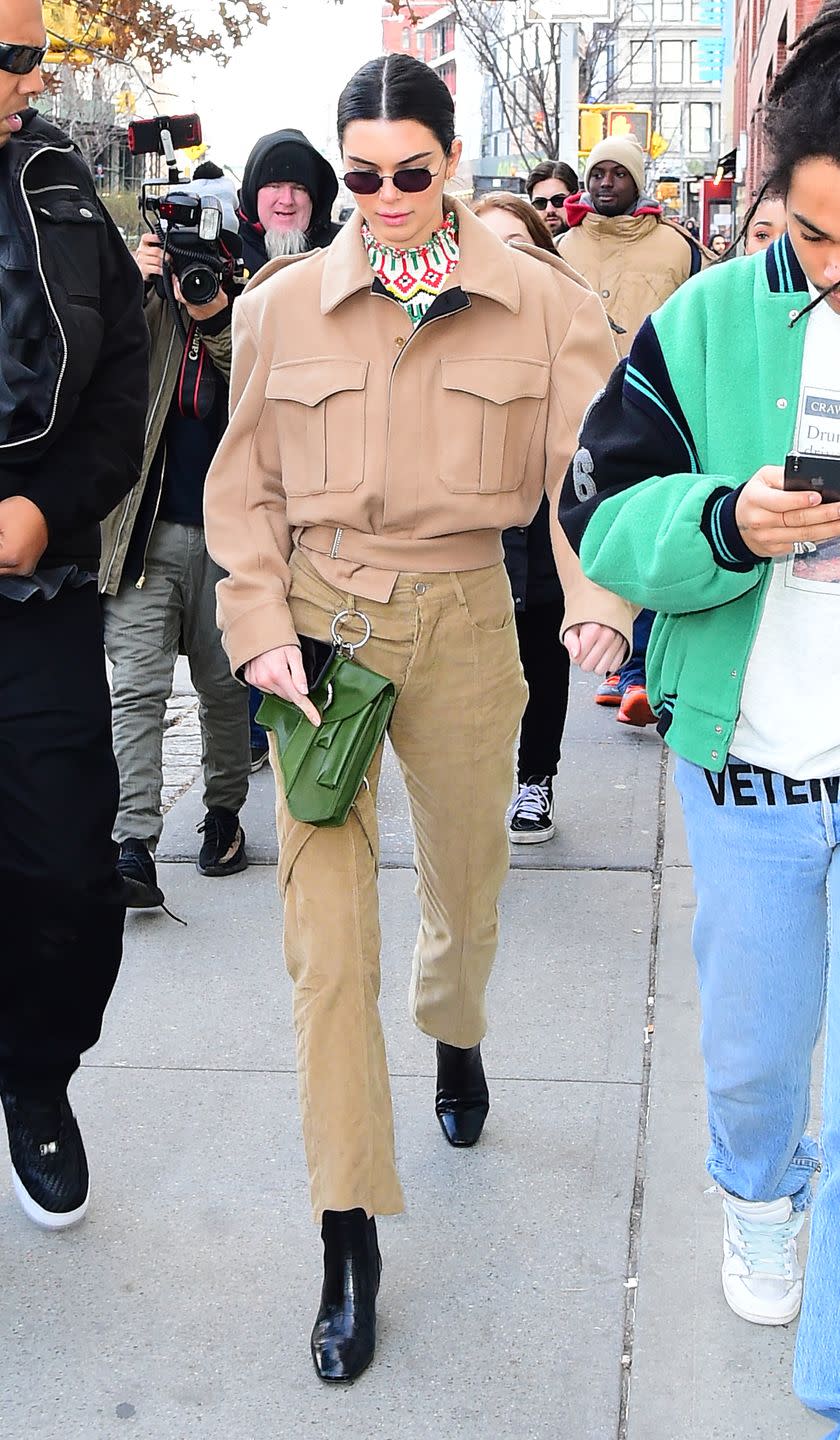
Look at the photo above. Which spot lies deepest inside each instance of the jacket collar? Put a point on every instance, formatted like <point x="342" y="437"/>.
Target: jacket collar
<point x="785" y="275"/>
<point x="486" y="266"/>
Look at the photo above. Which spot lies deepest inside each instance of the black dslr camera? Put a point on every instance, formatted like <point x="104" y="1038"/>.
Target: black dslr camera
<point x="188" y="225"/>
<point x="189" y="228"/>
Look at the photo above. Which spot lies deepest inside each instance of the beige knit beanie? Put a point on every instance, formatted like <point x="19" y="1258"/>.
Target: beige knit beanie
<point x="621" y="150"/>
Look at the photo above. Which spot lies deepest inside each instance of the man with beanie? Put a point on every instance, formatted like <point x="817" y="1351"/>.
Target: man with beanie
<point x="285" y="204"/>
<point x="159" y="583"/>
<point x="634" y="258"/>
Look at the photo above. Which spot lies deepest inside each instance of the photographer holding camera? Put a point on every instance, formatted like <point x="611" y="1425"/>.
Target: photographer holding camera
<point x="157" y="579"/>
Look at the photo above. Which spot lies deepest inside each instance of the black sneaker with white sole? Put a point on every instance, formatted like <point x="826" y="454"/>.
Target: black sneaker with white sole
<point x="223" y="850"/>
<point x="49" y="1166"/>
<point x="259" y="757"/>
<point x="531" y="816"/>
<point x="139" y="876"/>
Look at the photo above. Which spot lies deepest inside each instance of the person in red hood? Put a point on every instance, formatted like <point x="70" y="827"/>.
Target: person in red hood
<point x="620" y="241"/>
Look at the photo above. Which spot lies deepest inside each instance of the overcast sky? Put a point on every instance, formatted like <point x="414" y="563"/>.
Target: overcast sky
<point x="289" y="73"/>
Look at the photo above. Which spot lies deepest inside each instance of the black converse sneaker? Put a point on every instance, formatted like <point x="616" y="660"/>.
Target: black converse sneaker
<point x="531" y="816"/>
<point x="49" y="1167"/>
<point x="223" y="851"/>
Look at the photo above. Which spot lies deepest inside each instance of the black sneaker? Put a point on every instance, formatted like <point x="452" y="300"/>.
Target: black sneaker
<point x="49" y="1167"/>
<point x="259" y="755"/>
<point x="531" y="816"/>
<point x="223" y="851"/>
<point x="139" y="876"/>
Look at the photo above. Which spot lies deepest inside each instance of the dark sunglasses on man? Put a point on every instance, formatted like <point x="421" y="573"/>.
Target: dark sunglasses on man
<point x="409" y="181"/>
<point x="542" y="202"/>
<point x="21" y="59"/>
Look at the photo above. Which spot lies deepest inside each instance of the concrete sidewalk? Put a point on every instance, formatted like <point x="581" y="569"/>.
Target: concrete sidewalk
<point x="560" y="1282"/>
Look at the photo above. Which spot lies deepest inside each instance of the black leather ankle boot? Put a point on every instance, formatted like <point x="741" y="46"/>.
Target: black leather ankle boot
<point x="462" y="1100"/>
<point x="344" y="1337"/>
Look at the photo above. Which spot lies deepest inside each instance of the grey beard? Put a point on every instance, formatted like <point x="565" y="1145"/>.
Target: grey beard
<point x="285" y="242"/>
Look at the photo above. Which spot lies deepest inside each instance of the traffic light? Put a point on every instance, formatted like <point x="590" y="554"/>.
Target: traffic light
<point x="591" y="127"/>
<point x="635" y="123"/>
<point x="73" y="36"/>
<point x="597" y="122"/>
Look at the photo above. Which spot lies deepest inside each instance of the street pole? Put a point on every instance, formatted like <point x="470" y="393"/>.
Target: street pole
<point x="567" y="100"/>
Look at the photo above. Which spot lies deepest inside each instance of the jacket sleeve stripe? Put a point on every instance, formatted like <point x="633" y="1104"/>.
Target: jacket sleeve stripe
<point x="635" y="378"/>
<point x="720" y="528"/>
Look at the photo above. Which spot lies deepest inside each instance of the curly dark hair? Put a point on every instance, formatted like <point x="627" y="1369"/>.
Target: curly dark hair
<point x="802" y="109"/>
<point x="800" y="113"/>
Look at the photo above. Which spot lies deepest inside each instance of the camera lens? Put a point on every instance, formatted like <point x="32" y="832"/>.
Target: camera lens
<point x="199" y="284"/>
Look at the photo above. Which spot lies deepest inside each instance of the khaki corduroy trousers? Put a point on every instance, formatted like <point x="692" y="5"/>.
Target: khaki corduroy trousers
<point x="448" y="642"/>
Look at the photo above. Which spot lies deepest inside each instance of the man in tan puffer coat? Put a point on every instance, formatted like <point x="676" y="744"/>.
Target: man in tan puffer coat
<point x="620" y="241"/>
<point x="634" y="259"/>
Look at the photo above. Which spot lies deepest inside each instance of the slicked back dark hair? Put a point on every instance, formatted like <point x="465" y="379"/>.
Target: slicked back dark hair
<point x="399" y="87"/>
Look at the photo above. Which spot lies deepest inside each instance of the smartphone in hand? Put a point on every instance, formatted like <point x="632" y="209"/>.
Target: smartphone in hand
<point x="820" y="473"/>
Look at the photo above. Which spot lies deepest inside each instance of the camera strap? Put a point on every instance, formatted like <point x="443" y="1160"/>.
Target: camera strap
<point x="196" y="378"/>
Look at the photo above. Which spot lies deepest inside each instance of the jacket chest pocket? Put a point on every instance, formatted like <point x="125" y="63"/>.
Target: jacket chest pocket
<point x="319" y="406"/>
<point x="72" y="227"/>
<point x="490" y="408"/>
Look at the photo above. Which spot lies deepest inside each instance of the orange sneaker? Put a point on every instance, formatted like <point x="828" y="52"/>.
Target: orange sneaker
<point x="610" y="692"/>
<point x="634" y="708"/>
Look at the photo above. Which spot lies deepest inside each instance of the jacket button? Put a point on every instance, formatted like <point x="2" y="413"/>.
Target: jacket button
<point x="420" y="588"/>
<point x="792" y="314"/>
<point x="714" y="754"/>
<point x="399" y="342"/>
<point x="781" y="403"/>
<point x="606" y="294"/>
<point x="734" y="674"/>
<point x="88" y="214"/>
<point x="718" y="729"/>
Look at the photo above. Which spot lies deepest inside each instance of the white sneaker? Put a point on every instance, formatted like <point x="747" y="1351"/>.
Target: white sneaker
<point x="762" y="1276"/>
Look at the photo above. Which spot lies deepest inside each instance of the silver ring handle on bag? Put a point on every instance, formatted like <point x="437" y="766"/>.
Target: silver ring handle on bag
<point x="349" y="647"/>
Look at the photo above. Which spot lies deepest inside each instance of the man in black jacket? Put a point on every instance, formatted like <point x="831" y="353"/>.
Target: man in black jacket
<point x="288" y="191"/>
<point x="73" y="370"/>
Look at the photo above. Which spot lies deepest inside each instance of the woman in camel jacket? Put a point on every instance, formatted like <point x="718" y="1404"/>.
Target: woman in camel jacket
<point x="398" y="401"/>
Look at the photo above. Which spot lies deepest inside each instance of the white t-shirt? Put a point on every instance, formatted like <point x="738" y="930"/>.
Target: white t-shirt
<point x="790" y="707"/>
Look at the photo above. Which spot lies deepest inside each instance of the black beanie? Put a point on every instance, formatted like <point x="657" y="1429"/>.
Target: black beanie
<point x="208" y="171"/>
<point x="290" y="162"/>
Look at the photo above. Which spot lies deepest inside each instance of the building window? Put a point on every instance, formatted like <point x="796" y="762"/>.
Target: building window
<point x="641" y="63"/>
<point x="407" y="38"/>
<point x="707" y="12"/>
<point x="641" y="12"/>
<point x="670" y="124"/>
<point x="671" y="65"/>
<point x="699" y="129"/>
<point x="672" y="12"/>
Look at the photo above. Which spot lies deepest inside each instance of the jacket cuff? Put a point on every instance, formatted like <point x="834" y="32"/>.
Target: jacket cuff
<point x="718" y="524"/>
<point x="216" y="324"/>
<point x="256" y="631"/>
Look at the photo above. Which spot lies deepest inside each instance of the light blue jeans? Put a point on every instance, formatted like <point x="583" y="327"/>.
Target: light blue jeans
<point x="766" y="858"/>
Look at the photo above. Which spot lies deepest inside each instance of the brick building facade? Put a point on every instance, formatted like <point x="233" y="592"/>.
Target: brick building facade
<point x="431" y="39"/>
<point x="764" y="29"/>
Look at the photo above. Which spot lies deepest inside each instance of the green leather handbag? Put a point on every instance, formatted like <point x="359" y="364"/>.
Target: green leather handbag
<point x="325" y="766"/>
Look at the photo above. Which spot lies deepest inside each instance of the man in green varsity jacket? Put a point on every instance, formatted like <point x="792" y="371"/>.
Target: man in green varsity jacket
<point x="676" y="501"/>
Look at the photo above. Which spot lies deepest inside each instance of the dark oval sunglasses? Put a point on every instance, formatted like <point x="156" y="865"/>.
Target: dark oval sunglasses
<point x="21" y="59"/>
<point x="409" y="181"/>
<point x="542" y="202"/>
